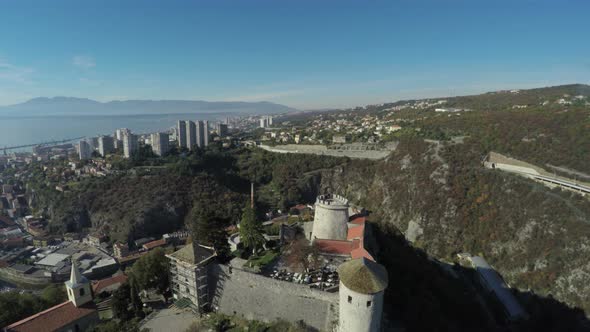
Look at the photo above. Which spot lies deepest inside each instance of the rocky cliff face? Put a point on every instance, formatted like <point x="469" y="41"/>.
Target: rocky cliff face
<point x="445" y="202"/>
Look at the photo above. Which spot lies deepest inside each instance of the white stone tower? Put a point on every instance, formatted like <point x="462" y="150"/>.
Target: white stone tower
<point x="78" y="287"/>
<point x="331" y="218"/>
<point x="362" y="283"/>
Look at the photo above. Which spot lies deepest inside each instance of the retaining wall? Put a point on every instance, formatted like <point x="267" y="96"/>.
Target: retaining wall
<point x="254" y="296"/>
<point x="18" y="278"/>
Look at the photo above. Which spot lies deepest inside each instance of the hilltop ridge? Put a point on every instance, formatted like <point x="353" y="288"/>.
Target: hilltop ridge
<point x="60" y="105"/>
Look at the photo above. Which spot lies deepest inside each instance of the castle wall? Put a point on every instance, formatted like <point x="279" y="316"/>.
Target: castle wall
<point x="257" y="297"/>
<point x="359" y="312"/>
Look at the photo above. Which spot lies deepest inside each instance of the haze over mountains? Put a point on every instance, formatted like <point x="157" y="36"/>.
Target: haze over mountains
<point x="56" y="106"/>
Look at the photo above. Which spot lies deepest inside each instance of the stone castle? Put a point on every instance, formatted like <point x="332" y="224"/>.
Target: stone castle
<point x="357" y="305"/>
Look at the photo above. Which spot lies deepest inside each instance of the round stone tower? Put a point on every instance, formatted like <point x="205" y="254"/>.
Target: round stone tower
<point x="362" y="283"/>
<point x="331" y="218"/>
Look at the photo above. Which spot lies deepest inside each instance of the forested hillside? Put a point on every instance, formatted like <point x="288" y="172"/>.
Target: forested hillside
<point x="443" y="200"/>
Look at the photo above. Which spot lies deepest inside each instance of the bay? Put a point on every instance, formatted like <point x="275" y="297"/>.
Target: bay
<point x="16" y="131"/>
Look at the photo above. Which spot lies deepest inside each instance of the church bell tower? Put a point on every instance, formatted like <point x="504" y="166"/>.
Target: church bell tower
<point x="78" y="287"/>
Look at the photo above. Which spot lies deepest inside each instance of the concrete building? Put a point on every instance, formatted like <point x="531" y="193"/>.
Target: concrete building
<point x="118" y="144"/>
<point x="77" y="314"/>
<point x="188" y="274"/>
<point x="191" y="135"/>
<point x="331" y="218"/>
<point x="205" y="133"/>
<point x="120" y="250"/>
<point x="339" y="139"/>
<point x="120" y="132"/>
<point x="362" y="284"/>
<point x="130" y="144"/>
<point x="84" y="150"/>
<point x="265" y="121"/>
<point x="221" y="129"/>
<point x="202" y="133"/>
<point x="181" y="134"/>
<point x="105" y="145"/>
<point x="93" y="142"/>
<point x="160" y="144"/>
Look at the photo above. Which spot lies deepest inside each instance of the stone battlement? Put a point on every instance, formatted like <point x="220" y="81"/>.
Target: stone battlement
<point x="331" y="199"/>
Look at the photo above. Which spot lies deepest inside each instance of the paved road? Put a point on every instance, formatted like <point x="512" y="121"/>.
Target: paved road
<point x="323" y="151"/>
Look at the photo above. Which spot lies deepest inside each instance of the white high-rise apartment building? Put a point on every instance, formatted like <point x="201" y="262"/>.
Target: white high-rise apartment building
<point x="160" y="144"/>
<point x="181" y="133"/>
<point x="130" y="144"/>
<point x="105" y="145"/>
<point x="191" y="135"/>
<point x="84" y="150"/>
<point x="200" y="134"/>
<point x="206" y="133"/>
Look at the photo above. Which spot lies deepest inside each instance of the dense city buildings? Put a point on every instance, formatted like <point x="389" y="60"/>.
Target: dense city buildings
<point x="160" y="145"/>
<point x="181" y="133"/>
<point x="105" y="145"/>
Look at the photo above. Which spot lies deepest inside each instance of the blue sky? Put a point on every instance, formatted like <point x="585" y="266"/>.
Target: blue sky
<point x="305" y="54"/>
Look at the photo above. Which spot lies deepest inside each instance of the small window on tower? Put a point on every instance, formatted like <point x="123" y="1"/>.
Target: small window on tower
<point x="81" y="291"/>
<point x="349" y="299"/>
<point x="368" y="303"/>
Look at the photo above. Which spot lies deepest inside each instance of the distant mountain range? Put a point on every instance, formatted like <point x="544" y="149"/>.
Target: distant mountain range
<point x="82" y="106"/>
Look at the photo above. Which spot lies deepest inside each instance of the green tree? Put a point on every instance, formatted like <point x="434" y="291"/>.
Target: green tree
<point x="251" y="230"/>
<point x="209" y="229"/>
<point x="151" y="272"/>
<point x="54" y="294"/>
<point x="120" y="302"/>
<point x="136" y="303"/>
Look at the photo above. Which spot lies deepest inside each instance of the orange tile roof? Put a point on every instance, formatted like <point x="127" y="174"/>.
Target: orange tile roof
<point x="336" y="247"/>
<point x="131" y="257"/>
<point x="353" y="246"/>
<point x="300" y="207"/>
<point x="357" y="232"/>
<point x="358" y="220"/>
<point x="154" y="244"/>
<point x="53" y="318"/>
<point x="102" y="284"/>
